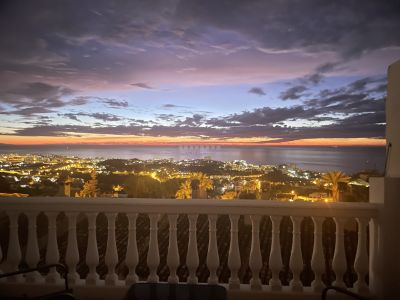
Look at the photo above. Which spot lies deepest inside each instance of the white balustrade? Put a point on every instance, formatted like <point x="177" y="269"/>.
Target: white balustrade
<point x="132" y="256"/>
<point x="317" y="259"/>
<point x="296" y="258"/>
<point x="153" y="255"/>
<point x="111" y="258"/>
<point x="192" y="258"/>
<point x="212" y="254"/>
<point x="173" y="254"/>
<point x="92" y="253"/>
<point x="339" y="258"/>
<point x="14" y="249"/>
<point x="319" y="212"/>
<point x="72" y="254"/>
<point x="361" y="260"/>
<point x="234" y="254"/>
<point x="32" y="256"/>
<point x="255" y="261"/>
<point x="275" y="257"/>
<point x="52" y="255"/>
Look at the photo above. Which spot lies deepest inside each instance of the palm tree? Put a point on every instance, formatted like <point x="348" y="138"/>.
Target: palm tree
<point x="185" y="190"/>
<point x="332" y="179"/>
<point x="205" y="183"/>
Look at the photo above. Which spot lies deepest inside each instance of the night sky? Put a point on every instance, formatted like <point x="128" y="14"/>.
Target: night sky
<point x="199" y="71"/>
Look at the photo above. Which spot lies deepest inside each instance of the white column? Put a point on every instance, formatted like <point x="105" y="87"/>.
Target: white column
<point x="192" y="258"/>
<point x="92" y="253"/>
<point x="72" y="254"/>
<point x="255" y="261"/>
<point x="234" y="254"/>
<point x="317" y="259"/>
<point x="153" y="256"/>
<point x="275" y="257"/>
<point x="52" y="255"/>
<point x="361" y="260"/>
<point x="339" y="258"/>
<point x="173" y="252"/>
<point x="212" y="254"/>
<point x="111" y="257"/>
<point x="296" y="258"/>
<point x="14" y="249"/>
<point x="32" y="249"/>
<point x="132" y="257"/>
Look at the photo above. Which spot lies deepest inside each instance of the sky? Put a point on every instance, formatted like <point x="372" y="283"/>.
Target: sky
<point x="277" y="72"/>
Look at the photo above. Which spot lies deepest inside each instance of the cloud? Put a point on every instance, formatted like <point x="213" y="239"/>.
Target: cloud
<point x="29" y="111"/>
<point x="142" y="85"/>
<point x="257" y="91"/>
<point x="293" y="93"/>
<point x="172" y="106"/>
<point x="148" y="41"/>
<point x="113" y="103"/>
<point x="36" y="94"/>
<point x="105" y="117"/>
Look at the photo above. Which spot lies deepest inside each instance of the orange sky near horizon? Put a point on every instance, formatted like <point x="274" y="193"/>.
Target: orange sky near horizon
<point x="186" y="140"/>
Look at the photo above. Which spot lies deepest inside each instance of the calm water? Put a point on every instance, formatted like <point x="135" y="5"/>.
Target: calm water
<point x="348" y="159"/>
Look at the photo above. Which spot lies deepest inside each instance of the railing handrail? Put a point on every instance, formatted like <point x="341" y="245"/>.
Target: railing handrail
<point x="192" y="206"/>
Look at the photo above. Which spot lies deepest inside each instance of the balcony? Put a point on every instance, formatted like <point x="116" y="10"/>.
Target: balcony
<point x="158" y="240"/>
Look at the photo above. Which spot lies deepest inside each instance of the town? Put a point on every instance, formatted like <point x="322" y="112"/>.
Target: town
<point x="55" y="175"/>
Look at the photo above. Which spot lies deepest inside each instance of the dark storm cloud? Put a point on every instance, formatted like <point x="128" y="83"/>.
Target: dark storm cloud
<point x="293" y="93"/>
<point x="347" y="27"/>
<point x="257" y="91"/>
<point x="73" y="40"/>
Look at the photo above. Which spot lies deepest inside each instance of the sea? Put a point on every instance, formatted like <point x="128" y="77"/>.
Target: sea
<point x="322" y="159"/>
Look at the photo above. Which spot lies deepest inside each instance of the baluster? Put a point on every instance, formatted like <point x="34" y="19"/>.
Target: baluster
<point x="339" y="258"/>
<point x="192" y="258"/>
<point x="14" y="249"/>
<point x="255" y="261"/>
<point x="92" y="253"/>
<point x="296" y="259"/>
<point x="1" y="258"/>
<point x="173" y="252"/>
<point x="72" y="254"/>
<point x="212" y="254"/>
<point x="361" y="261"/>
<point x="153" y="256"/>
<point x="234" y="254"/>
<point x="32" y="249"/>
<point x="132" y="257"/>
<point x="111" y="257"/>
<point x="275" y="257"/>
<point x="317" y="259"/>
<point x="52" y="255"/>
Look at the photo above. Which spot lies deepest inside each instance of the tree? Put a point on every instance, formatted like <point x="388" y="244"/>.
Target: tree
<point x="252" y="187"/>
<point x="185" y="190"/>
<point x="90" y="188"/>
<point x="205" y="183"/>
<point x="332" y="179"/>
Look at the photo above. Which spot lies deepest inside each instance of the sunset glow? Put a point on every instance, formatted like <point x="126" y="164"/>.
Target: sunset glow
<point x="177" y="73"/>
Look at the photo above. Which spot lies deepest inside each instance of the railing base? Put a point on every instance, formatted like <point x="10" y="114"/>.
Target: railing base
<point x="118" y="291"/>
